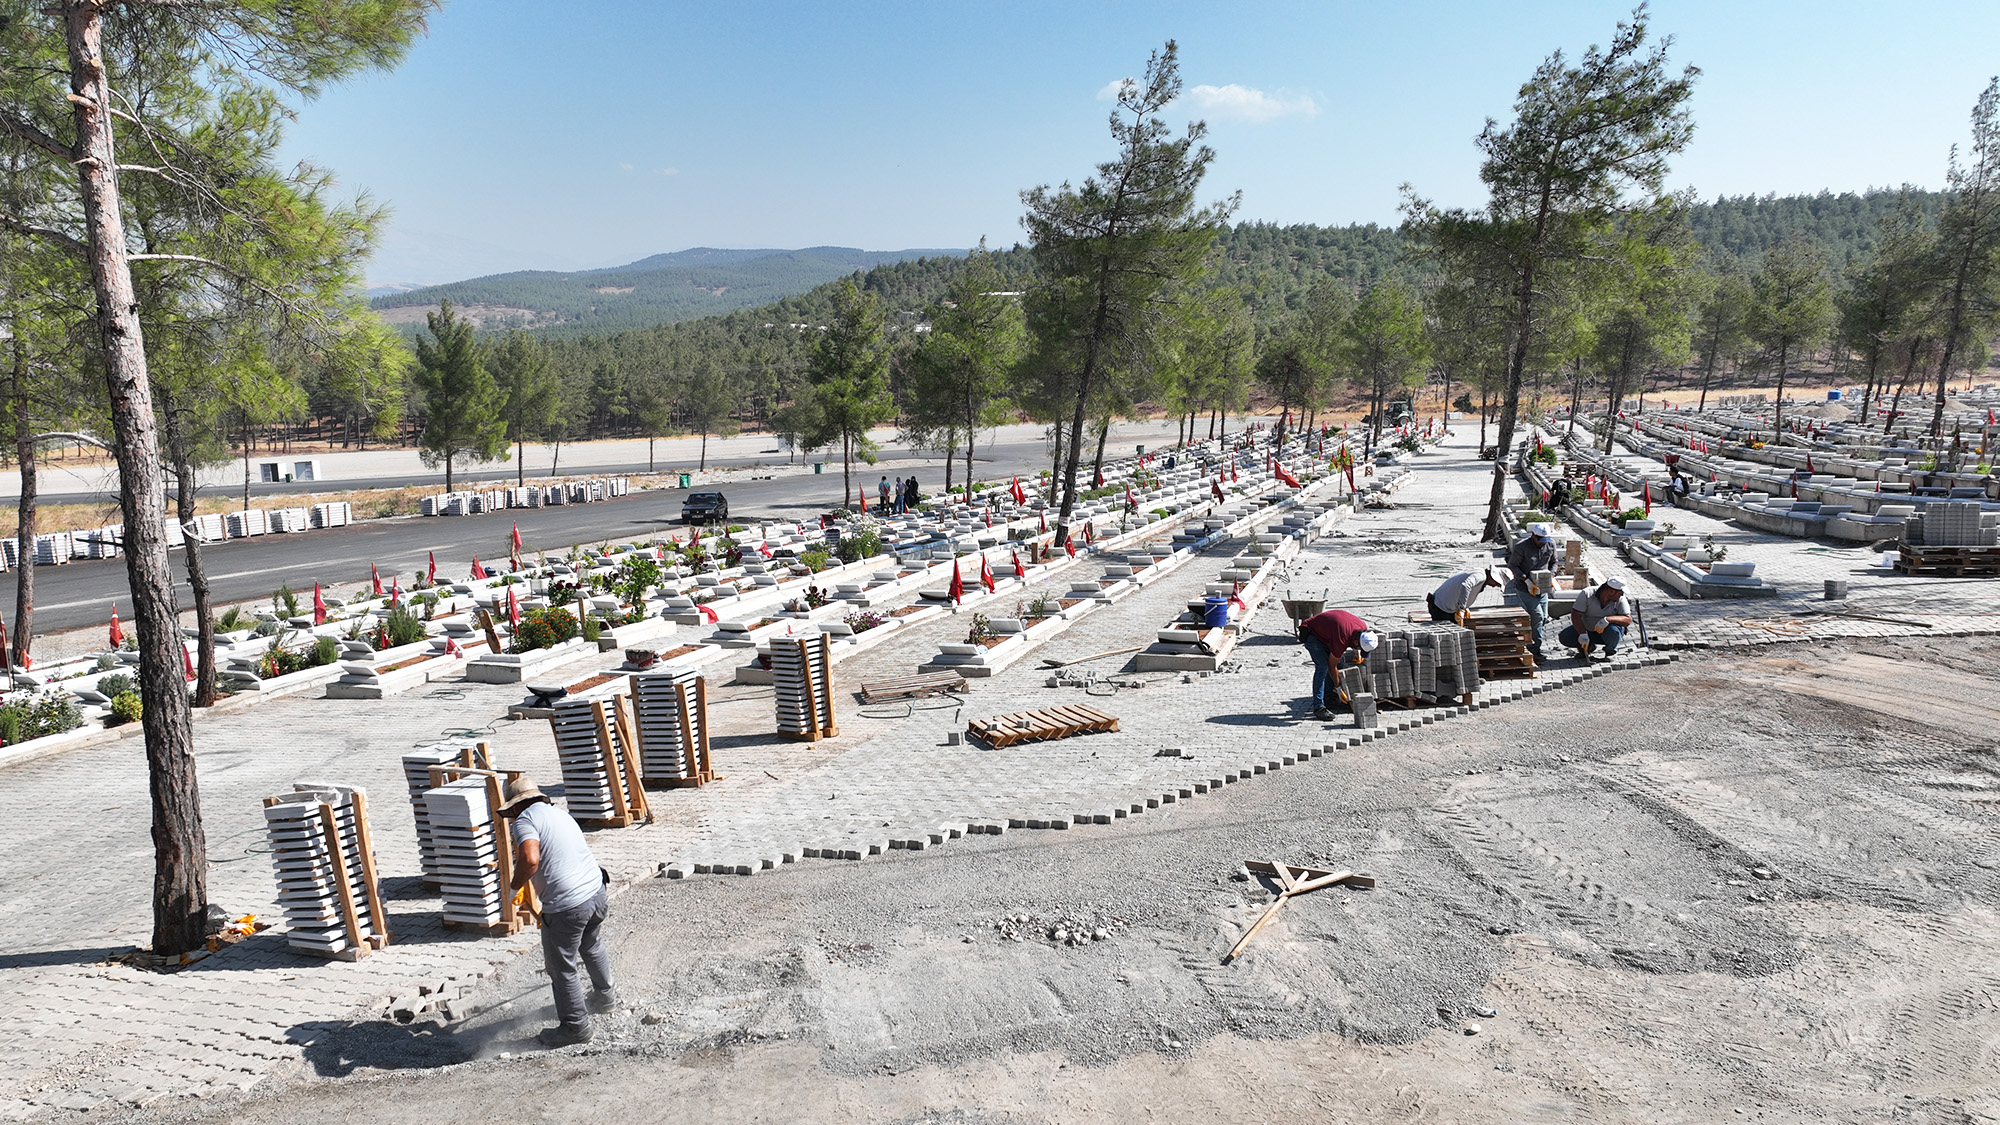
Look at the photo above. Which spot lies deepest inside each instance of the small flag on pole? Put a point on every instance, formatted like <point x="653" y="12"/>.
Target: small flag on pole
<point x="319" y="606"/>
<point x="117" y="634"/>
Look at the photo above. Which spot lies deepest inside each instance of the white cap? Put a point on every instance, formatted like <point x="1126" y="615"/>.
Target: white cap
<point x="1368" y="640"/>
<point x="1539" y="530"/>
<point x="1617" y="584"/>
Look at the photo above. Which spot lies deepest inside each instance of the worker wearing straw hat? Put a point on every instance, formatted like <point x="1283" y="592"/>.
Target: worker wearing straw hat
<point x="553" y="854"/>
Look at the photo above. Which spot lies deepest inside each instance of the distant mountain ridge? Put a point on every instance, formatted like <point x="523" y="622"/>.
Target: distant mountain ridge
<point x="660" y="289"/>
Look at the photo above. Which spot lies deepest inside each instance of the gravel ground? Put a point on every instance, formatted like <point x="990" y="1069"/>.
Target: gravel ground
<point x="1748" y="884"/>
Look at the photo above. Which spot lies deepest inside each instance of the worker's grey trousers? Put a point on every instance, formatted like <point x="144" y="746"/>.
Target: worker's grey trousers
<point x="567" y="936"/>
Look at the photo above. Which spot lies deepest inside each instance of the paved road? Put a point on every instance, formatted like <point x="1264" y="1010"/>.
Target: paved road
<point x="81" y="593"/>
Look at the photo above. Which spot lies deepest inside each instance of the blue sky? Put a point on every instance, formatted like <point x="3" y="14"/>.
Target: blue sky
<point x="525" y="134"/>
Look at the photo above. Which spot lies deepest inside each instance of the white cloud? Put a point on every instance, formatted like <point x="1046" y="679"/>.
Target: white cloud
<point x="1247" y="103"/>
<point x="624" y="166"/>
<point x="1110" y="90"/>
<point x="666" y="171"/>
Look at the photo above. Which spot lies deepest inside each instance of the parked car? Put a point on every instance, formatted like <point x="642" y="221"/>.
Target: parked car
<point x="704" y="507"/>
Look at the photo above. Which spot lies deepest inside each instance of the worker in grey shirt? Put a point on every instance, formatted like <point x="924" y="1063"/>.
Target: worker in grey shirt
<point x="552" y="853"/>
<point x="1533" y="554"/>
<point x="1457" y="593"/>
<point x="1598" y="619"/>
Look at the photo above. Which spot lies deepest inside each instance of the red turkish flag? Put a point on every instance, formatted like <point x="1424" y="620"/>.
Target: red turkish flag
<point x="1646" y="496"/>
<point x="319" y="606"/>
<point x="1045" y="519"/>
<point x="1019" y="494"/>
<point x="187" y="664"/>
<point x="375" y="579"/>
<point x="1069" y="544"/>
<point x="1100" y="479"/>
<point x="431" y="572"/>
<point x="957" y="583"/>
<point x="1018" y="571"/>
<point x="986" y="574"/>
<point x="513" y="609"/>
<point x="517" y="535"/>
<point x="1285" y="476"/>
<point x="1216" y="487"/>
<point x="864" y="501"/>
<point x="117" y="634"/>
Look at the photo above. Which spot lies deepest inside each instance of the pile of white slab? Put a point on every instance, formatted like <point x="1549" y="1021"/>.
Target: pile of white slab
<point x="464" y="840"/>
<point x="312" y="867"/>
<point x="666" y="746"/>
<point x="799" y="671"/>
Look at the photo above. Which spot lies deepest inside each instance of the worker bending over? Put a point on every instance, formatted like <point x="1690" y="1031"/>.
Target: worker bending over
<point x="1534" y="554"/>
<point x="553" y="854"/>
<point x="1456" y="594"/>
<point x="1329" y="637"/>
<point x="1598" y="619"/>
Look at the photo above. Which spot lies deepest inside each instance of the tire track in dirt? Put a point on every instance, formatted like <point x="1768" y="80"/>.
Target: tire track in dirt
<point x="1534" y="873"/>
<point x="1838" y="866"/>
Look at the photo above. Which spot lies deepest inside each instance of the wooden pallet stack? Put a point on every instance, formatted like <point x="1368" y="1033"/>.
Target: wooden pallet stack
<point x="1047" y="723"/>
<point x="671" y="724"/>
<point x="802" y="672"/>
<point x="1949" y="562"/>
<point x="324" y="861"/>
<point x="603" y="784"/>
<point x="1505" y="642"/>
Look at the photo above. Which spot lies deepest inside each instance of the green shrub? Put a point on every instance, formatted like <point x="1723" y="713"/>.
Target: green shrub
<point x="816" y="559"/>
<point x="641" y="574"/>
<point x="1628" y="515"/>
<point x="403" y="627"/>
<point x="592" y="629"/>
<point x="324" y="651"/>
<point x="31" y="716"/>
<point x="126" y="708"/>
<point x="544" y="628"/>
<point x="286" y="601"/>
<point x="106" y="662"/>
<point x="231" y="620"/>
<point x="116" y="684"/>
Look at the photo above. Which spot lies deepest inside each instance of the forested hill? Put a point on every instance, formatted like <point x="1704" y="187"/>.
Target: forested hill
<point x="661" y="289"/>
<point x="1742" y="227"/>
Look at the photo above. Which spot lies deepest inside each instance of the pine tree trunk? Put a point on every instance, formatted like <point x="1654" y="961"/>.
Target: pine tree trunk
<point x="204" y="614"/>
<point x="1097" y="465"/>
<point x="521" y="461"/>
<point x="180" y="871"/>
<point x="24" y="447"/>
<point x="1778" y="414"/>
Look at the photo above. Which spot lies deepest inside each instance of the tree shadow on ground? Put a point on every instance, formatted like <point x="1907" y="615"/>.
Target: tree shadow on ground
<point x="338" y="1048"/>
<point x="49" y="958"/>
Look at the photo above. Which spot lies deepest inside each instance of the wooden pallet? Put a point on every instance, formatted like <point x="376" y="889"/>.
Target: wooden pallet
<point x="1046" y="724"/>
<point x="1950" y="562"/>
<point x="912" y="687"/>
<point x="1503" y="640"/>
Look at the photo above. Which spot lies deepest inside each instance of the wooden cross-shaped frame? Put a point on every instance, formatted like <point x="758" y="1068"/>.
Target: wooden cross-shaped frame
<point x="1296" y="881"/>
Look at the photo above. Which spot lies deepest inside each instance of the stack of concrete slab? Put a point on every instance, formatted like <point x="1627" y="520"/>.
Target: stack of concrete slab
<point x="468" y="857"/>
<point x="667" y="735"/>
<point x="799" y="672"/>
<point x="417" y="775"/>
<point x="581" y="727"/>
<point x="322" y="873"/>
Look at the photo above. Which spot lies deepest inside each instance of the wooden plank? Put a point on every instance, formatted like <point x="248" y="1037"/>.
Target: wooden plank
<point x="614" y="775"/>
<point x="340" y="878"/>
<point x="373" y="883"/>
<point x="706" y="771"/>
<point x="634" y="775"/>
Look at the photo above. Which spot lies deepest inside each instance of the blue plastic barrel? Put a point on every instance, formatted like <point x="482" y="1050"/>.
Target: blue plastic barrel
<point x="1217" y="613"/>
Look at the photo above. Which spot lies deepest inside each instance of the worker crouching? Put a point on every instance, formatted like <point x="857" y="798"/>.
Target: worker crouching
<point x="1329" y="637"/>
<point x="1598" y="620"/>
<point x="575" y="902"/>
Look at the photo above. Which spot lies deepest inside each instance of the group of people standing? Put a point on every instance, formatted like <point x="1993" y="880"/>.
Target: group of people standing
<point x="1598" y="617"/>
<point x="899" y="497"/>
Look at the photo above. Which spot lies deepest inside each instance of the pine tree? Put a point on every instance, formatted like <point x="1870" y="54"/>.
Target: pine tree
<point x="461" y="402"/>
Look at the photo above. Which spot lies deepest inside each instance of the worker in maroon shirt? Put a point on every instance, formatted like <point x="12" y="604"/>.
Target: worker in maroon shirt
<point x="1328" y="637"/>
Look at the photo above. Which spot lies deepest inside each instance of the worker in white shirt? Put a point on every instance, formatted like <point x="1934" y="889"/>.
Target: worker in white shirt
<point x="1598" y="620"/>
<point x="1457" y="593"/>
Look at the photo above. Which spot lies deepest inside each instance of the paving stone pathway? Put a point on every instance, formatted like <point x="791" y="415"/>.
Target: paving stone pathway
<point x="82" y="1031"/>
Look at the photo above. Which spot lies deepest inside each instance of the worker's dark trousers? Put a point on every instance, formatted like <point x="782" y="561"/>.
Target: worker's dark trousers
<point x="1324" y="682"/>
<point x="1437" y="614"/>
<point x="1608" y="639"/>
<point x="567" y="936"/>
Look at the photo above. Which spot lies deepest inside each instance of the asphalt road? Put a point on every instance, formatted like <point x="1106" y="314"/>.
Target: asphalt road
<point x="81" y="593"/>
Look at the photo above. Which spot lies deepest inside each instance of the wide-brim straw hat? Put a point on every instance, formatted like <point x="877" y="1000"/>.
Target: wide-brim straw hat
<point x="518" y="793"/>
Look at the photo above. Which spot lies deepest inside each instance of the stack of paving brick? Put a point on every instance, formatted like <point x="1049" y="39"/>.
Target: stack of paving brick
<point x="417" y="774"/>
<point x="468" y="860"/>
<point x="1954" y="524"/>
<point x="581" y="727"/>
<point x="1416" y="665"/>
<point x="665" y="748"/>
<point x="311" y="865"/>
